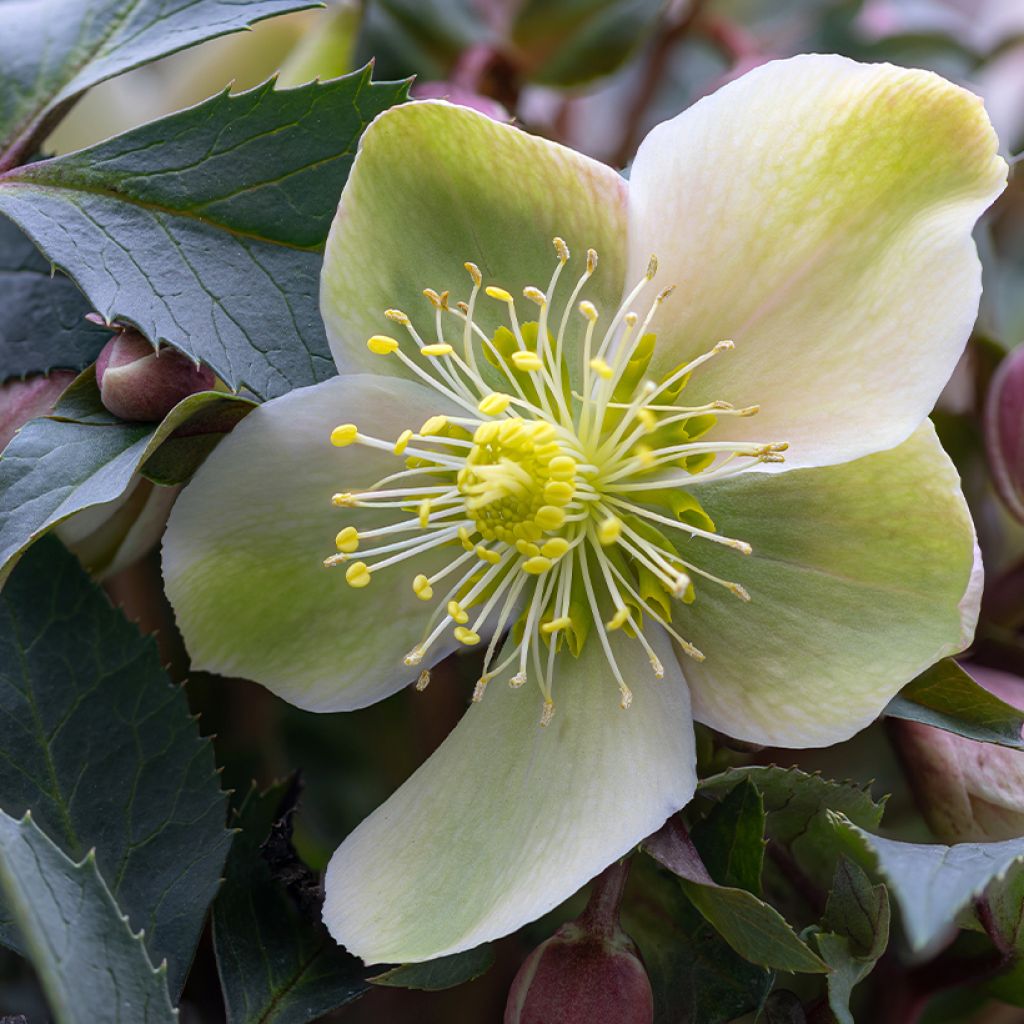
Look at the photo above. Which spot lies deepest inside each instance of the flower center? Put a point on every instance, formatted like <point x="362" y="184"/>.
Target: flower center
<point x="567" y="511"/>
<point x="517" y="480"/>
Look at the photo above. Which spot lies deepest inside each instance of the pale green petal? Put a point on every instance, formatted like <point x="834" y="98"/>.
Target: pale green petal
<point x="244" y="549"/>
<point x="435" y="185"/>
<point x="818" y="212"/>
<point x="862" y="576"/>
<point x="507" y="819"/>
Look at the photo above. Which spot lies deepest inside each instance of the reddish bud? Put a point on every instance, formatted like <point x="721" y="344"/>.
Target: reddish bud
<point x="24" y="400"/>
<point x="589" y="970"/>
<point x="1004" y="431"/>
<point x="968" y="791"/>
<point x="140" y="382"/>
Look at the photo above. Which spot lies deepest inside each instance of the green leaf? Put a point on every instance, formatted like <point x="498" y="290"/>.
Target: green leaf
<point x="932" y="883"/>
<point x="204" y="229"/>
<point x="102" y="749"/>
<point x="946" y="697"/>
<point x="276" y="966"/>
<point x="570" y="42"/>
<point x="796" y="804"/>
<point x="731" y="838"/>
<point x="80" y="457"/>
<point x="90" y="965"/>
<point x="856" y="932"/>
<point x="51" y="51"/>
<point x="444" y="972"/>
<point x="695" y="974"/>
<point x="757" y="931"/>
<point x="43" y="324"/>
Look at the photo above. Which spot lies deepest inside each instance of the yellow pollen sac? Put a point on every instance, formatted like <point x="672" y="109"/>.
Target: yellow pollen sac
<point x="648" y="419"/>
<point x="498" y="293"/>
<point x="474" y="272"/>
<point x="422" y="588"/>
<point x="403" y="442"/>
<point x="343" y="436"/>
<point x="589" y="310"/>
<point x="555" y="548"/>
<point x="535" y="295"/>
<point x="424" y="680"/>
<point x="549" y="517"/>
<point x="559" y="492"/>
<point x="382" y="345"/>
<point x="610" y="530"/>
<point x="494" y="404"/>
<point x="397" y="316"/>
<point x="564" y="622"/>
<point x="526" y="548"/>
<point x="487" y="554"/>
<point x="423" y="513"/>
<point x="457" y="612"/>
<point x="537" y="565"/>
<point x="527" y="361"/>
<point x="466" y="636"/>
<point x="344" y="499"/>
<point x="436" y="350"/>
<point x="601" y="368"/>
<point x="347" y="540"/>
<point x="562" y="467"/>
<point x="433" y="426"/>
<point x="357" y="575"/>
<point x="464" y="539"/>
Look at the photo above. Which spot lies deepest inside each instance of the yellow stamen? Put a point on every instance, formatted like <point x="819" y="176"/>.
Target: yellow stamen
<point x="357" y="575"/>
<point x="382" y="345"/>
<point x="343" y="436"/>
<point x="347" y="540"/>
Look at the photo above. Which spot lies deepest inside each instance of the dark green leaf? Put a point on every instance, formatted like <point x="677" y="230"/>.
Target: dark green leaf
<point x="276" y="966"/>
<point x="757" y="931"/>
<point x="731" y="838"/>
<point x="445" y="972"/>
<point x="569" y="42"/>
<point x="43" y="325"/>
<point x="695" y="975"/>
<point x="103" y="750"/>
<point x="204" y="229"/>
<point x="78" y="458"/>
<point x="946" y="697"/>
<point x="90" y="965"/>
<point x="51" y="51"/>
<point x="932" y="883"/>
<point x="856" y="932"/>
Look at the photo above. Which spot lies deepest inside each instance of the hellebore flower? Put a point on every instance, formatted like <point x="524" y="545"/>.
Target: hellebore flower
<point x="554" y="458"/>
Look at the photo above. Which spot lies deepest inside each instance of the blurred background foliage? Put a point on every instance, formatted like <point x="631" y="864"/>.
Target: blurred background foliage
<point x="596" y="75"/>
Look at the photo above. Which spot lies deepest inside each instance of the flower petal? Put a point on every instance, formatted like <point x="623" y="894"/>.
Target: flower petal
<point x="244" y="549"/>
<point x="818" y="212"/>
<point x="862" y="576"/>
<point x="508" y="819"/>
<point x="435" y="185"/>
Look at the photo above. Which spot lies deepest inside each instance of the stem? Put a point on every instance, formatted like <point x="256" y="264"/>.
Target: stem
<point x="601" y="916"/>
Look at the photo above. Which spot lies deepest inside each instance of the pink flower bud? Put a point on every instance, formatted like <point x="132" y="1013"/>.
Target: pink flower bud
<point x="1004" y="431"/>
<point x="588" y="971"/>
<point x="968" y="791"/>
<point x="24" y="400"/>
<point x="461" y="97"/>
<point x="138" y="382"/>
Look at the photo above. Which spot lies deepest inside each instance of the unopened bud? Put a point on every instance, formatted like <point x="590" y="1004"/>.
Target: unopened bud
<point x="968" y="791"/>
<point x="1004" y="431"/>
<point x="141" y="383"/>
<point x="24" y="400"/>
<point x="589" y="970"/>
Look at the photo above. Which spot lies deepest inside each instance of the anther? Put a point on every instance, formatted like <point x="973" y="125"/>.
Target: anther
<point x="561" y="249"/>
<point x="589" y="310"/>
<point x="397" y="316"/>
<point x="548" y="713"/>
<point x="610" y="530"/>
<point x="403" y="441"/>
<point x="562" y="622"/>
<point x="659" y="669"/>
<point x="652" y="267"/>
<point x="619" y="619"/>
<point x="422" y="588"/>
<point x="478" y="690"/>
<point x="424" y="680"/>
<point x="527" y="361"/>
<point x="423" y="513"/>
<point x="381" y="345"/>
<point x="537" y="565"/>
<point x="434" y="425"/>
<point x="457" y="612"/>
<point x="535" y="295"/>
<point x="466" y="636"/>
<point x="357" y="575"/>
<point x="344" y="499"/>
<point x="343" y="436"/>
<point x="601" y="368"/>
<point x="724" y="345"/>
<point x="498" y="293"/>
<point x="414" y="657"/>
<point x="433" y="298"/>
<point x="347" y="540"/>
<point x="591" y="260"/>
<point x="474" y="272"/>
<point x="517" y="680"/>
<point x="436" y="350"/>
<point x="494" y="404"/>
<point x="626" y="695"/>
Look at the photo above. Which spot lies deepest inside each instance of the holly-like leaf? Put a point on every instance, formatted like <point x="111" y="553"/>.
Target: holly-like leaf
<point x="205" y="229"/>
<point x="796" y="804"/>
<point x="43" y="325"/>
<point x="756" y="930"/>
<point x="89" y="963"/>
<point x="81" y="457"/>
<point x="855" y="934"/>
<point x="444" y="972"/>
<point x="276" y="965"/>
<point x="695" y="975"/>
<point x="101" y="747"/>
<point x="946" y="697"/>
<point x="51" y="51"/>
<point x="932" y="883"/>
